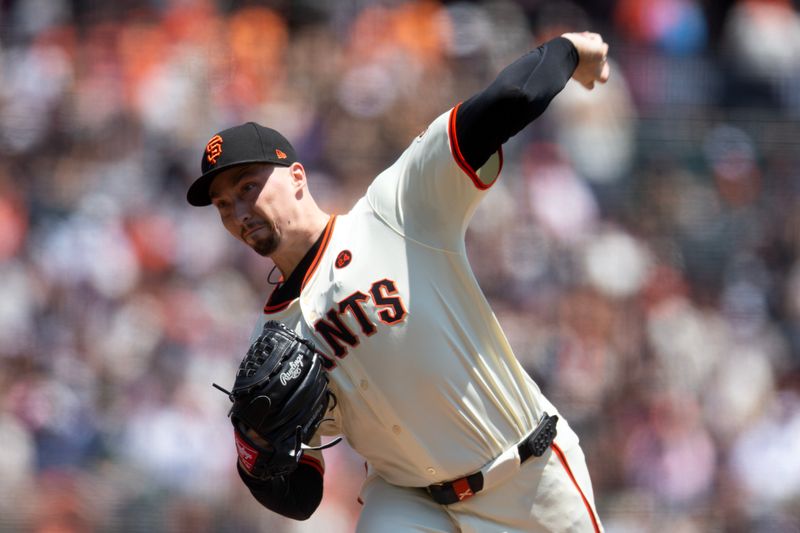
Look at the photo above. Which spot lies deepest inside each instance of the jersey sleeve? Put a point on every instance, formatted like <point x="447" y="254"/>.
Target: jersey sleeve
<point x="430" y="193"/>
<point x="295" y="496"/>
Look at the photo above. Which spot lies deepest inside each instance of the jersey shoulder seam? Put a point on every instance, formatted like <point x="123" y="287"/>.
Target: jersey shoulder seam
<point x="403" y="235"/>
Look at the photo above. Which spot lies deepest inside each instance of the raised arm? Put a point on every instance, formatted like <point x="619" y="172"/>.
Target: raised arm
<point x="523" y="90"/>
<point x="430" y="193"/>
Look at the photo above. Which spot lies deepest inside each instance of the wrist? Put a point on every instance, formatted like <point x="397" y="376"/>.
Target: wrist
<point x="566" y="46"/>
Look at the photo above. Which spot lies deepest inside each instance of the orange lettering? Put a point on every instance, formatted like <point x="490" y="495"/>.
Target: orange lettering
<point x="214" y="149"/>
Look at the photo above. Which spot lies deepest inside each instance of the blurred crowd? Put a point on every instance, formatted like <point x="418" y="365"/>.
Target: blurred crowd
<point x="640" y="249"/>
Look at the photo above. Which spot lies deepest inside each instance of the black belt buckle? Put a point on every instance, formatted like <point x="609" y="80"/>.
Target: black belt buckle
<point x="456" y="490"/>
<point x="543" y="436"/>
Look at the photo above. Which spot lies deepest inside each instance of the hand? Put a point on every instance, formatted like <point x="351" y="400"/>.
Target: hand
<point x="592" y="58"/>
<point x="280" y="393"/>
<point x="252" y="450"/>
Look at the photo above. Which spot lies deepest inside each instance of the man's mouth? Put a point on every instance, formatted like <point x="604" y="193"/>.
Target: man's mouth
<point x="252" y="230"/>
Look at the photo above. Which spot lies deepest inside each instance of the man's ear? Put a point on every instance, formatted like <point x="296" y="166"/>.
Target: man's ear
<point x="297" y="175"/>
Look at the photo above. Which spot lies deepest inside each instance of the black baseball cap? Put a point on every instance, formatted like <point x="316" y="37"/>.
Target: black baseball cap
<point x="240" y="145"/>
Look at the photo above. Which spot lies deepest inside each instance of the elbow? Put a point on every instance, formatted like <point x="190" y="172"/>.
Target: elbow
<point x="296" y="496"/>
<point x="296" y="510"/>
<point x="511" y="95"/>
<point x="304" y="511"/>
<point x="304" y="496"/>
<point x="301" y="516"/>
<point x="513" y="101"/>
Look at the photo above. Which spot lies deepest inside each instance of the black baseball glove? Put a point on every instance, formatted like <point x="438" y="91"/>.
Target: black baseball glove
<point x="280" y="398"/>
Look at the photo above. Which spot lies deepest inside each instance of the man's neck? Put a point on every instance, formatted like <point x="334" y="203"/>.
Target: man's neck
<point x="288" y="259"/>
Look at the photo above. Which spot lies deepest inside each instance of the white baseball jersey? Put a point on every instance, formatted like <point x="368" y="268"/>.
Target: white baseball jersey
<point x="428" y="387"/>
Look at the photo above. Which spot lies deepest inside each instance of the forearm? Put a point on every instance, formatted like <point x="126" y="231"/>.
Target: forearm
<point x="519" y="94"/>
<point x="296" y="496"/>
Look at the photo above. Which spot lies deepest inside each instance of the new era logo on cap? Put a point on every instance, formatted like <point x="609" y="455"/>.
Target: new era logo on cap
<point x="244" y="144"/>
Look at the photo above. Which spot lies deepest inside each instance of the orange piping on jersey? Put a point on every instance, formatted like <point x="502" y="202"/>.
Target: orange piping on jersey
<point x="563" y="459"/>
<point x="315" y="263"/>
<point x="277" y="307"/>
<point x="280" y="306"/>
<point x="313" y="462"/>
<point x="459" y="157"/>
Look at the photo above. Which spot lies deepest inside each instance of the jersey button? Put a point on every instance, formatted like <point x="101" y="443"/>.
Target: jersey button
<point x="430" y="470"/>
<point x="396" y="429"/>
<point x="364" y="384"/>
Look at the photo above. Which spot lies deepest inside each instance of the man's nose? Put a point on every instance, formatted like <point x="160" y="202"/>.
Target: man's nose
<point x="242" y="212"/>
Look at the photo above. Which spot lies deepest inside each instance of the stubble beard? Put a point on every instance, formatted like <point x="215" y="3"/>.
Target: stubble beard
<point x="266" y="246"/>
<point x="267" y="242"/>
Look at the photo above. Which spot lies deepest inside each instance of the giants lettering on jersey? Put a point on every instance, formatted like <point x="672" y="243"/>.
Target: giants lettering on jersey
<point x="389" y="310"/>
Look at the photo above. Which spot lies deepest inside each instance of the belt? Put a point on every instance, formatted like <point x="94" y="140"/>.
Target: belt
<point x="534" y="445"/>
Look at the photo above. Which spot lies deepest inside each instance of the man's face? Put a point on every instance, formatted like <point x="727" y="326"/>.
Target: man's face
<point x="248" y="199"/>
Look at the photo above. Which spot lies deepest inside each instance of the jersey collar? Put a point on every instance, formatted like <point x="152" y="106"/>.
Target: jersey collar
<point x="287" y="291"/>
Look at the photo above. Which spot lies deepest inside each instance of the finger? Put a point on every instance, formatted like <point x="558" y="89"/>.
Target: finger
<point x="605" y="73"/>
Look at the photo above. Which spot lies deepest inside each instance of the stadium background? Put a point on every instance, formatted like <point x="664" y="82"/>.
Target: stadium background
<point x="641" y="249"/>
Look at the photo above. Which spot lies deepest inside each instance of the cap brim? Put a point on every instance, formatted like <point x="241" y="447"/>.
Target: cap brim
<point x="198" y="193"/>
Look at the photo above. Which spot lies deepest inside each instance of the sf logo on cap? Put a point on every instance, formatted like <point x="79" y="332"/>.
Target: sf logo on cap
<point x="214" y="149"/>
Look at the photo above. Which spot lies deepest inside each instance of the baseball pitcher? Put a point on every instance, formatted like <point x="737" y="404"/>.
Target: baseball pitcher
<point x="380" y="333"/>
